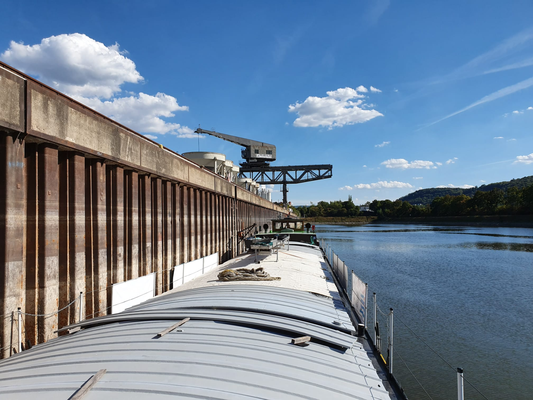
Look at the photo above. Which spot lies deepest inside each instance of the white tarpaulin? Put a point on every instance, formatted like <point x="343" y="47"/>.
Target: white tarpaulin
<point x="130" y="293"/>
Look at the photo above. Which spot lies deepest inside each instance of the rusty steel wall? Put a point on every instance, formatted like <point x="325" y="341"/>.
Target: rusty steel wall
<point x="77" y="224"/>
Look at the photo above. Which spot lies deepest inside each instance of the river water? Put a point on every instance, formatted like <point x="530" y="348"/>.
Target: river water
<point x="462" y="297"/>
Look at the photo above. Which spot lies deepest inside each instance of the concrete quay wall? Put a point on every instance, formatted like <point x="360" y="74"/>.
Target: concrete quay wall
<point x="86" y="203"/>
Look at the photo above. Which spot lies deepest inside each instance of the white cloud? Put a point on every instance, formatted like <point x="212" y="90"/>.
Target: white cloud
<point x="530" y="108"/>
<point x="438" y="163"/>
<point x="361" y="89"/>
<point x="517" y="112"/>
<point x="75" y="64"/>
<point x="451" y="160"/>
<point x="498" y="137"/>
<point x="418" y="177"/>
<point x="482" y="181"/>
<point x="143" y="113"/>
<point x="511" y="140"/>
<point x="404" y="164"/>
<point x="374" y="90"/>
<point x="384" y="185"/>
<point x="382" y="144"/>
<point x="491" y="97"/>
<point x="346" y="188"/>
<point x="150" y="136"/>
<point x="456" y="187"/>
<point x="335" y="110"/>
<point x="364" y="166"/>
<point x="524" y="159"/>
<point x="93" y="74"/>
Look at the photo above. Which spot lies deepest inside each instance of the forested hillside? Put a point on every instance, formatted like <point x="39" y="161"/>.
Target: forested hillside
<point x="426" y="196"/>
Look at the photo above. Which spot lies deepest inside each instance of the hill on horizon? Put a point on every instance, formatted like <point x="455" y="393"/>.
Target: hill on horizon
<point x="426" y="196"/>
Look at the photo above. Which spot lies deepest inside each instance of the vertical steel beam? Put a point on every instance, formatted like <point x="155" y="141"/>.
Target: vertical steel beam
<point x="185" y="231"/>
<point x="76" y="228"/>
<point x="147" y="224"/>
<point x="167" y="233"/>
<point x="133" y="225"/>
<point x="100" y="255"/>
<point x="48" y="240"/>
<point x="157" y="219"/>
<point x="12" y="222"/>
<point x="193" y="243"/>
<point x="32" y="292"/>
<point x="117" y="224"/>
<point x="63" y="245"/>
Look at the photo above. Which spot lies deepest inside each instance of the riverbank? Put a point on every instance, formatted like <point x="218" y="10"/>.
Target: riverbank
<point x="361" y="220"/>
<point x="516" y="221"/>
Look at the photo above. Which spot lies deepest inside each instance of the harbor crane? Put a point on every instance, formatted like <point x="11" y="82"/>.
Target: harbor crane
<point x="257" y="158"/>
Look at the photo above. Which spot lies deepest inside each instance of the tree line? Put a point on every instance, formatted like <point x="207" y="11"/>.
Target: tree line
<point x="512" y="201"/>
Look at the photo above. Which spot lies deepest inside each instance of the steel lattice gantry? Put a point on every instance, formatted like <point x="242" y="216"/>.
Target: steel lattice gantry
<point x="287" y="175"/>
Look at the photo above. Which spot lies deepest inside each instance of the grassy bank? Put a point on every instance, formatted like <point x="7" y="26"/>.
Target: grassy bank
<point x="522" y="221"/>
<point x="362" y="220"/>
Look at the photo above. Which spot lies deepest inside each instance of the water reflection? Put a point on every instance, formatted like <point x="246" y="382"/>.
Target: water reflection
<point x="498" y="246"/>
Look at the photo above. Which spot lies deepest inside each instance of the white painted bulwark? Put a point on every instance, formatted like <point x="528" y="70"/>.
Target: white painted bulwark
<point x="130" y="293"/>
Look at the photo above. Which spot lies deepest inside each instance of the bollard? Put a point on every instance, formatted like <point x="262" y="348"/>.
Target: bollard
<point x="460" y="384"/>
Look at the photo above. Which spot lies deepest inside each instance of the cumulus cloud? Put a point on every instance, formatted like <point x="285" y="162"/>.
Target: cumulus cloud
<point x="524" y="159"/>
<point x="75" y="64"/>
<point x="143" y="113"/>
<point x="517" y="112"/>
<point x="382" y="144"/>
<point x="374" y="90"/>
<point x="384" y="185"/>
<point x="93" y="73"/>
<point x="498" y="137"/>
<point x="404" y="164"/>
<point x="418" y="177"/>
<point x="346" y="188"/>
<point x="456" y="187"/>
<point x="452" y="160"/>
<point x="530" y="108"/>
<point x="344" y="106"/>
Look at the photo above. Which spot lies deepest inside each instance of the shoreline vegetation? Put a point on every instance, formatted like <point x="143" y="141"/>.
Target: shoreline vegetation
<point x="513" y="207"/>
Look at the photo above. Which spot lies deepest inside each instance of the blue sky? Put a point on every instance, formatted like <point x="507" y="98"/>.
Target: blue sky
<point x="397" y="95"/>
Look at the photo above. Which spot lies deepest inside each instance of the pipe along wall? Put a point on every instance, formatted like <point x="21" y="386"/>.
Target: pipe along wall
<point x="74" y="218"/>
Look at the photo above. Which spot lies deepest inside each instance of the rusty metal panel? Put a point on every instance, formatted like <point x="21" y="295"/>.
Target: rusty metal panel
<point x="63" y="245"/>
<point x="48" y="240"/>
<point x="12" y="223"/>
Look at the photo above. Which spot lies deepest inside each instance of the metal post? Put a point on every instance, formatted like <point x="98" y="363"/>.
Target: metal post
<point x="80" y="318"/>
<point x="391" y="339"/>
<point x="20" y="329"/>
<point x="12" y="326"/>
<point x="375" y="320"/>
<point x="366" y="305"/>
<point x="460" y="384"/>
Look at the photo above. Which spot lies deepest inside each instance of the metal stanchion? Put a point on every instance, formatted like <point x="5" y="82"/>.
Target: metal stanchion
<point x="391" y="339"/>
<point x="20" y="329"/>
<point x="80" y="316"/>
<point x="460" y="384"/>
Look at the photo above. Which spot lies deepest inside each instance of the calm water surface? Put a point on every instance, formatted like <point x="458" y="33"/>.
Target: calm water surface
<point x="467" y="292"/>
